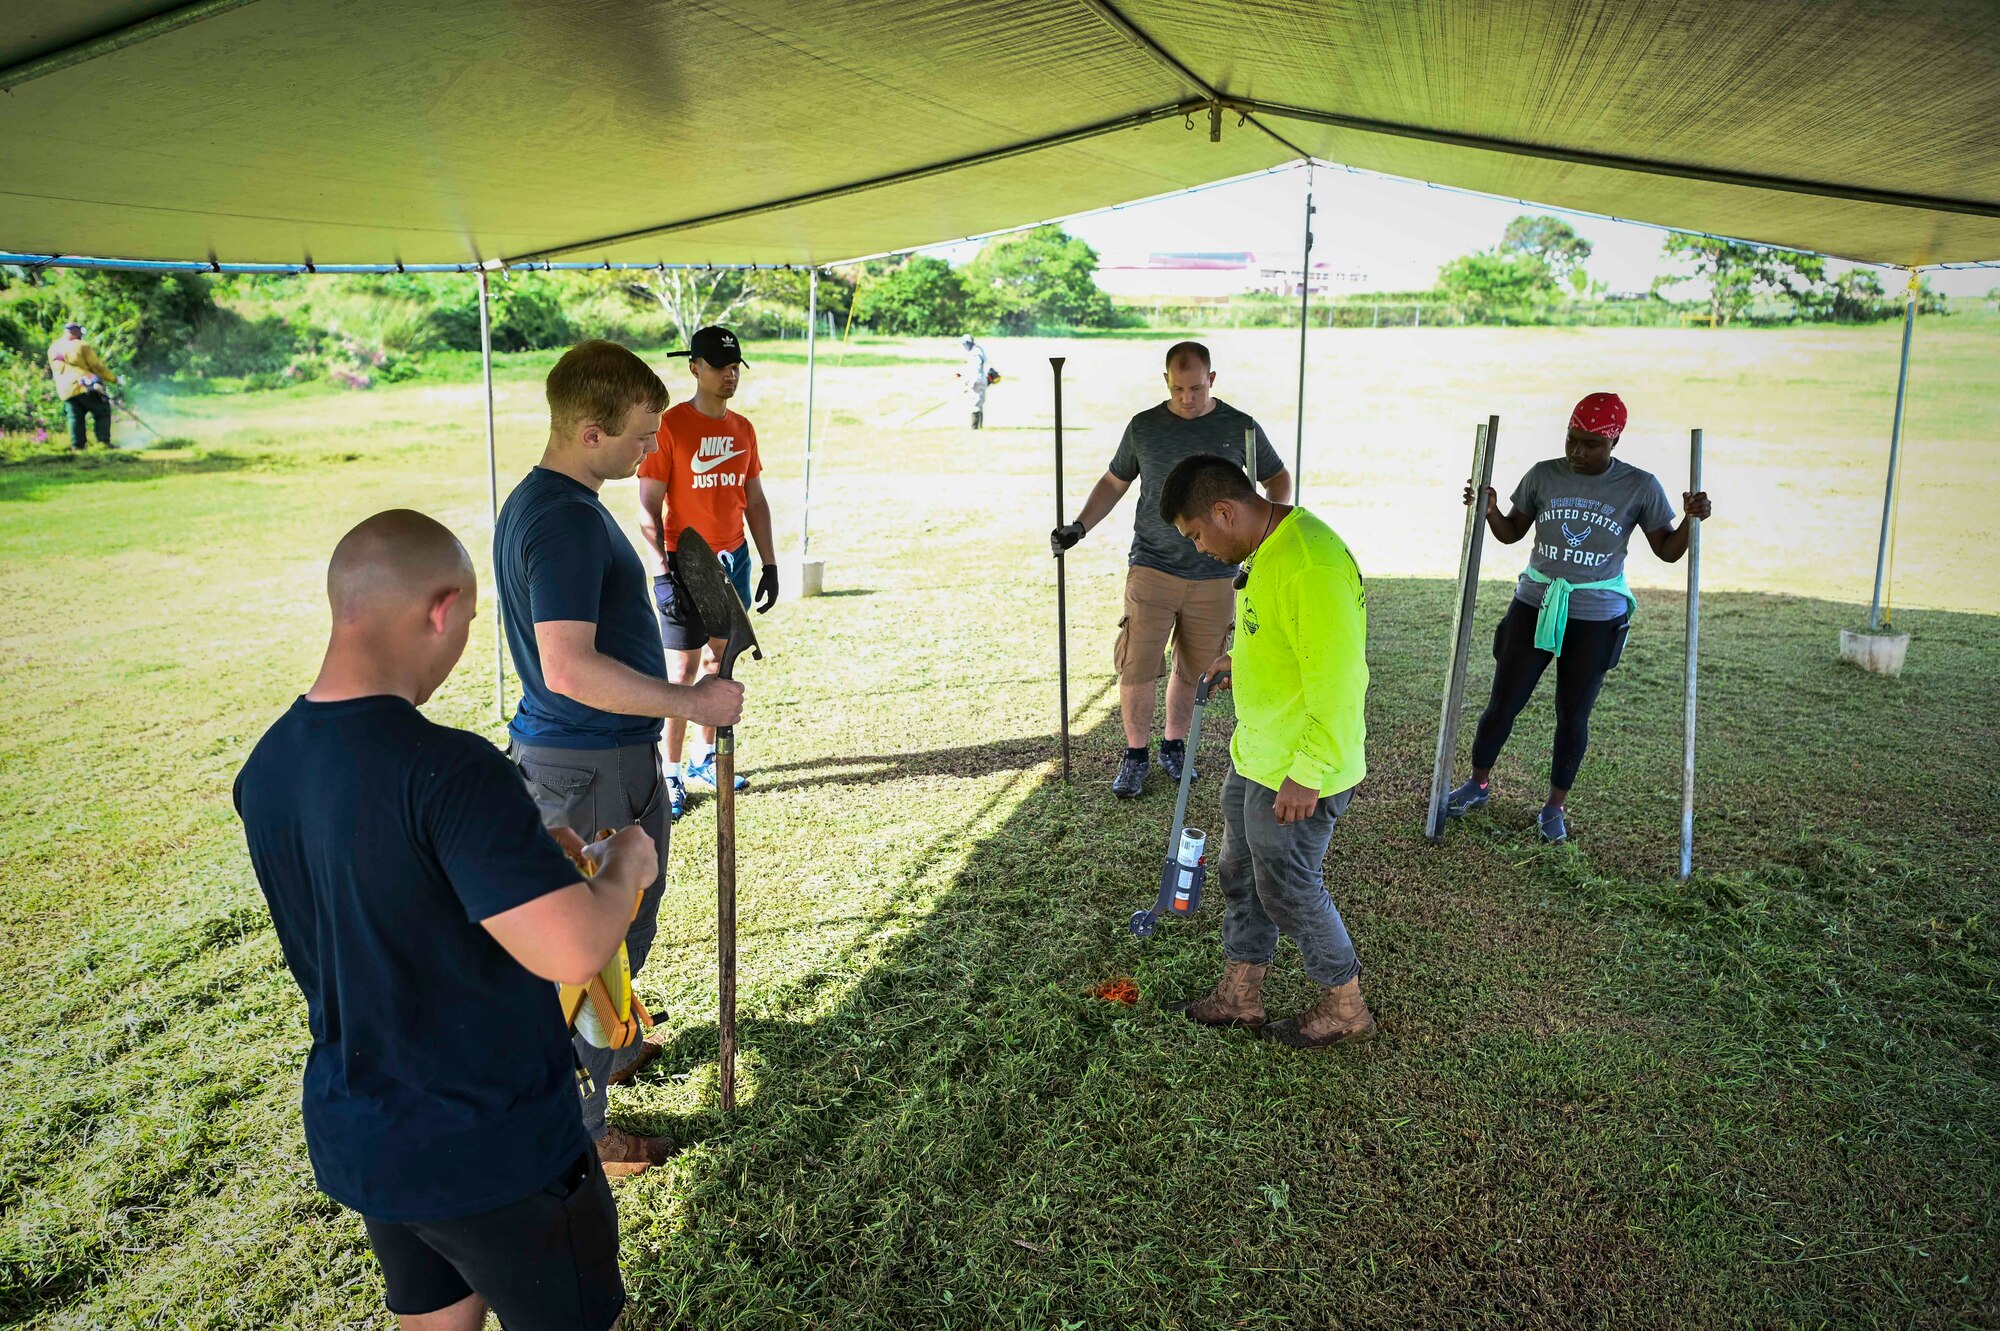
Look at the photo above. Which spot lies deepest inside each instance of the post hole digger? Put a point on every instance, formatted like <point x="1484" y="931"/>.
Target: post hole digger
<point x="707" y="585"/>
<point x="1186" y="868"/>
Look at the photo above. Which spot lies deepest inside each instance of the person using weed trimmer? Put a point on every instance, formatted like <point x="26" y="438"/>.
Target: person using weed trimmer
<point x="80" y="375"/>
<point x="1299" y="669"/>
<point x="1173" y="592"/>
<point x="582" y="631"/>
<point x="705" y="475"/>
<point x="428" y="917"/>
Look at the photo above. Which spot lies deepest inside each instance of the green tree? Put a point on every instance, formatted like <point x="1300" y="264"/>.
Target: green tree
<point x="1030" y="278"/>
<point x="1554" y="244"/>
<point x="1737" y="273"/>
<point x="1486" y="279"/>
<point x="924" y="297"/>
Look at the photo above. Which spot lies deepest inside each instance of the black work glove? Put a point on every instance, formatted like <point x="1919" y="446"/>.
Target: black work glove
<point x="767" y="589"/>
<point x="1063" y="537"/>
<point x="666" y="586"/>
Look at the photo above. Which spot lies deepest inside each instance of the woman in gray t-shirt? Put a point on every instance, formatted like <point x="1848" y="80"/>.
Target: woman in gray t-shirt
<point x="1572" y="605"/>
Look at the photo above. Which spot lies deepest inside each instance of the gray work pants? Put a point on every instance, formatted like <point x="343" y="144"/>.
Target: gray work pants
<point x="1273" y="883"/>
<point x="602" y="790"/>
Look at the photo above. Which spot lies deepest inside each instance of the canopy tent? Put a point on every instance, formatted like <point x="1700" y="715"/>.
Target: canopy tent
<point x="470" y="133"/>
<point x="769" y="131"/>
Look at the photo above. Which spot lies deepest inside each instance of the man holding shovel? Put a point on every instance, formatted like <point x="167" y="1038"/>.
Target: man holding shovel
<point x="1300" y="672"/>
<point x="583" y="634"/>
<point x="705" y="475"/>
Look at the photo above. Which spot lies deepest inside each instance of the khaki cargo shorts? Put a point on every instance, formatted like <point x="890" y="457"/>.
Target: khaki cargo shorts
<point x="1195" y="614"/>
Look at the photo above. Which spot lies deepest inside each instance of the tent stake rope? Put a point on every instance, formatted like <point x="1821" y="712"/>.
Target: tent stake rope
<point x="1876" y="618"/>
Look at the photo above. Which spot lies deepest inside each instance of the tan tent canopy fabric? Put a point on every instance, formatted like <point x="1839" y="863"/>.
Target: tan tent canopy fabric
<point x="777" y="131"/>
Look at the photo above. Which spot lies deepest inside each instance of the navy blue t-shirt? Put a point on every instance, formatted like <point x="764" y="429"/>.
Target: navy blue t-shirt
<point x="559" y="554"/>
<point x="440" y="1082"/>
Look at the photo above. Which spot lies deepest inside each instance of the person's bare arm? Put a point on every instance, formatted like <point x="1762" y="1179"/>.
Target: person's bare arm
<point x="757" y="517"/>
<point x="1103" y="497"/>
<point x="568" y="935"/>
<point x="652" y="503"/>
<point x="1670" y="543"/>
<point x="1507" y="528"/>
<point x="573" y="667"/>
<point x="1278" y="488"/>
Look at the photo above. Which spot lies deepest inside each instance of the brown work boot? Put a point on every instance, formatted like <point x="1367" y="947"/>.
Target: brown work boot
<point x="1340" y="1017"/>
<point x="625" y="1154"/>
<point x="1237" y="1000"/>
<point x="641" y="1056"/>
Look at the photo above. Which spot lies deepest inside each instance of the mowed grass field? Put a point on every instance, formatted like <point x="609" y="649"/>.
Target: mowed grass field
<point x="1767" y="1097"/>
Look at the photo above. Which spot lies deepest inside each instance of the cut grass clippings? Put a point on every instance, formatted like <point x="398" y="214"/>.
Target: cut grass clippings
<point x="1769" y="1096"/>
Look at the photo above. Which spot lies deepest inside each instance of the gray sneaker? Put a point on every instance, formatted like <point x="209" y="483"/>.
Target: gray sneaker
<point x="1131" y="778"/>
<point x="1551" y="824"/>
<point x="1171" y="761"/>
<point x="1472" y="795"/>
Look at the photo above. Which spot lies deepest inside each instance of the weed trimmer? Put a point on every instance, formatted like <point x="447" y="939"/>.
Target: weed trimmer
<point x="707" y="585"/>
<point x="133" y="416"/>
<point x="1187" y="847"/>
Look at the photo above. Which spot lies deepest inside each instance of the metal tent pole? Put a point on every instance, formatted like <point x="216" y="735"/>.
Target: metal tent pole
<point x="1485" y="439"/>
<point x="1895" y="446"/>
<point x="1305" y="297"/>
<point x="1693" y="653"/>
<point x="812" y="345"/>
<point x="492" y="493"/>
<point x="1062" y="588"/>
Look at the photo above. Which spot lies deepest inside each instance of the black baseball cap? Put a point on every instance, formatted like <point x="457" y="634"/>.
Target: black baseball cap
<point x="715" y="345"/>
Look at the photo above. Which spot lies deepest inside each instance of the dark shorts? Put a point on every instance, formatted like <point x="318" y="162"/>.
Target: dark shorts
<point x="548" y="1262"/>
<point x="681" y="629"/>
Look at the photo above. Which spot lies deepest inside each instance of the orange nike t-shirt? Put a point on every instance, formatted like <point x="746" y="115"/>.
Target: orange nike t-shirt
<point x="705" y="464"/>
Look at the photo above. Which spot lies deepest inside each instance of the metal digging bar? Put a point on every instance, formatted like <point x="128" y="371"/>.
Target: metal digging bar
<point x="1693" y="662"/>
<point x="707" y="585"/>
<point x="1484" y="442"/>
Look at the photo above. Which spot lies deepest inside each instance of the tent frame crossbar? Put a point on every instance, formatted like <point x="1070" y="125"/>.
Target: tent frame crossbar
<point x="1644" y="166"/>
<point x="306" y="268"/>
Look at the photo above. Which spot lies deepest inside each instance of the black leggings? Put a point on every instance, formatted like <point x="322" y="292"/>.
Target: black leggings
<point x="1590" y="649"/>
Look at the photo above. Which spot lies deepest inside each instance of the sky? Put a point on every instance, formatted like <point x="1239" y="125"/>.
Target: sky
<point x="1383" y="234"/>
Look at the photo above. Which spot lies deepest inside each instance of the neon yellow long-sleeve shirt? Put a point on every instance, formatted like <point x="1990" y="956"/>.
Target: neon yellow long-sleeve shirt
<point x="1300" y="661"/>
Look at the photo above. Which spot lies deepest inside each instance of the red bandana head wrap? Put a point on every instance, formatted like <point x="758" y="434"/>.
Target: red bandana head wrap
<point x="1600" y="413"/>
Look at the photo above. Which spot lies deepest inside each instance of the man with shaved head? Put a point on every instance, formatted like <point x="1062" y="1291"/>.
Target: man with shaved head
<point x="581" y="627"/>
<point x="427" y="915"/>
<point x="1173" y="592"/>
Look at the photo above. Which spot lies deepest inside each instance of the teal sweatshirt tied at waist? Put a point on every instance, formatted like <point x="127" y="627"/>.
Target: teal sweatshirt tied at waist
<point x="1553" y="621"/>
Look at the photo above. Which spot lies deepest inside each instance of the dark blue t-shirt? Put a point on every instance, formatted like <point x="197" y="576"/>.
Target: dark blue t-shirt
<point x="440" y="1082"/>
<point x="559" y="554"/>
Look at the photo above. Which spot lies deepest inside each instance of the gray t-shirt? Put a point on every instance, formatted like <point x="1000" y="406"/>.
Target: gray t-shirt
<point x="1583" y="527"/>
<point x="1156" y="442"/>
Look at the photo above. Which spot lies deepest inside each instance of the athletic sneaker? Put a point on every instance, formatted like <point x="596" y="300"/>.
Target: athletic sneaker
<point x="1551" y="824"/>
<point x="703" y="774"/>
<point x="677" y="797"/>
<point x="1173" y="753"/>
<point x="1131" y="778"/>
<point x="1472" y="795"/>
